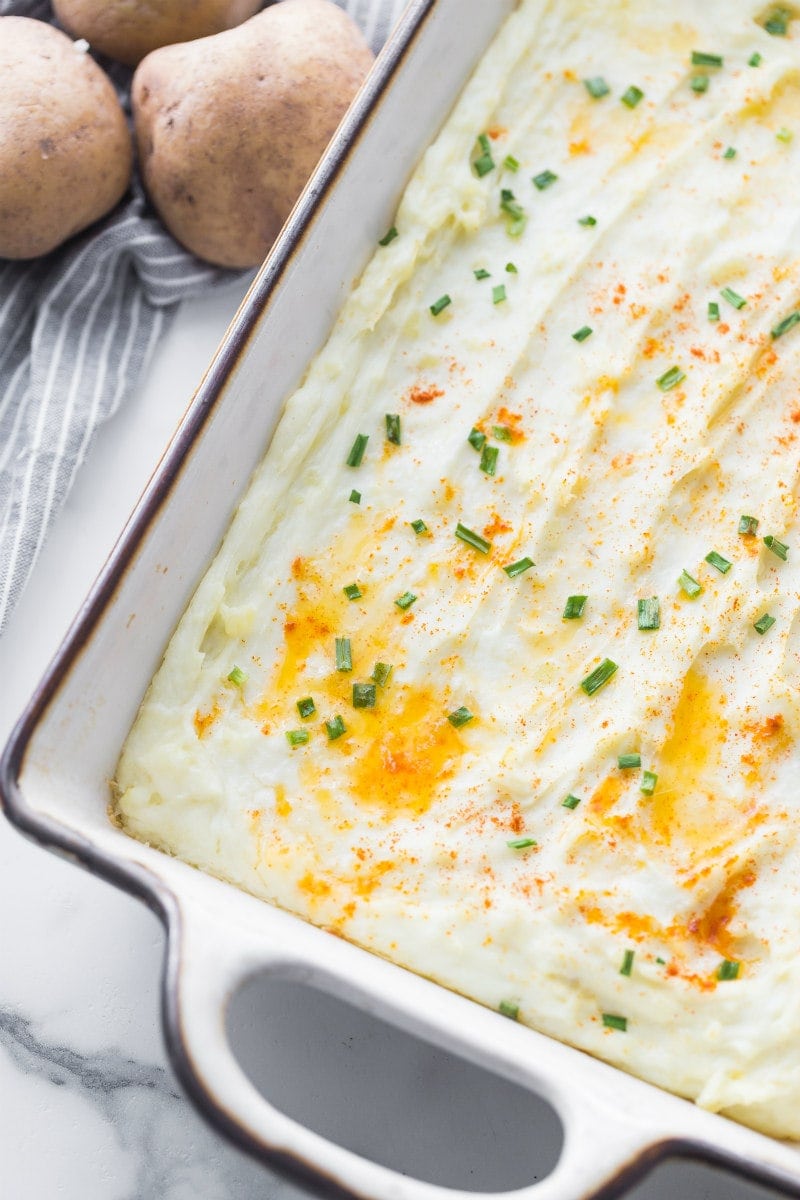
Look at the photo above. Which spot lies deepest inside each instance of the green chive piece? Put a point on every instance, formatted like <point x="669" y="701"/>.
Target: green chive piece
<point x="730" y="152"/>
<point x="780" y="549"/>
<point x="544" y="180"/>
<point x="405" y="601"/>
<point x="699" y="84"/>
<point x="611" y="1021"/>
<point x="488" y="462"/>
<point x="670" y="379"/>
<point x="627" y="964"/>
<point x="580" y="335"/>
<point x="701" y="59"/>
<point x="306" y="707"/>
<point x="689" y="585"/>
<point x="356" y="455"/>
<point x="419" y="526"/>
<point x="297" y="737"/>
<point x="440" y="304"/>
<point x="662" y="962"/>
<point x="785" y="325"/>
<point x="511" y="268"/>
<point x="763" y="624"/>
<point x="335" y="728"/>
<point x="587" y="220"/>
<point x="727" y="970"/>
<point x="570" y="801"/>
<point x="784" y="134"/>
<point x="518" y="567"/>
<point x="344" y="655"/>
<point x="523" y="843"/>
<point x="721" y="564"/>
<point x="507" y="1009"/>
<point x="481" y="273"/>
<point x="713" y="310"/>
<point x="632" y="96"/>
<point x="510" y="163"/>
<point x="627" y="762"/>
<point x="484" y="163"/>
<point x="380" y="673"/>
<point x="498" y="293"/>
<point x="648" y="784"/>
<point x="748" y="526"/>
<point x="355" y="497"/>
<point x="393" y="428"/>
<point x="754" y="60"/>
<point x="733" y="297"/>
<point x="599" y="677"/>
<point x="460" y="717"/>
<point x="237" y="677"/>
<point x="777" y="23"/>
<point x="596" y="87"/>
<point x="573" y="609"/>
<point x="503" y="433"/>
<point x="476" y="439"/>
<point x="514" y="211"/>
<point x="352" y="591"/>
<point x="389" y="236"/>
<point x="364" y="695"/>
<point x="472" y="539"/>
<point x="648" y="613"/>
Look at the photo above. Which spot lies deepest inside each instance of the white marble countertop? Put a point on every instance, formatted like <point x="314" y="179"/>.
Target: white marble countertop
<point x="90" y="1109"/>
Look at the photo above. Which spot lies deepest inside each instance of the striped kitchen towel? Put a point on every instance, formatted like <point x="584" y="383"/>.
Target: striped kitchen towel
<point x="77" y="330"/>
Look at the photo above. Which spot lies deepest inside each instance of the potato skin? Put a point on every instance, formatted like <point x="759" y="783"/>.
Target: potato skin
<point x="229" y="128"/>
<point x="127" y="30"/>
<point x="65" y="149"/>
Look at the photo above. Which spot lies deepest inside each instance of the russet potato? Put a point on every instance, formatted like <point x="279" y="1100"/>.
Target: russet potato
<point x="128" y="29"/>
<point x="230" y="127"/>
<point x="65" y="149"/>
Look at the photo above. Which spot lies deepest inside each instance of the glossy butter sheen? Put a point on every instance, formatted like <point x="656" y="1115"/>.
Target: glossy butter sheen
<point x="396" y="834"/>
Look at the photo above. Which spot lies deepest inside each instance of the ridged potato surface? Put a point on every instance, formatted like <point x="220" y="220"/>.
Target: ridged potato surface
<point x="229" y="128"/>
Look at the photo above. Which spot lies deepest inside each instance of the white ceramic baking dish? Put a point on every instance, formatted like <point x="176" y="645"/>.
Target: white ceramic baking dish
<point x="55" y="771"/>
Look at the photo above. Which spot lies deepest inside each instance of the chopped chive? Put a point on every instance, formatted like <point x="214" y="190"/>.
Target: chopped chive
<point x="721" y="564"/>
<point x="523" y="843"/>
<point x="356" y="455"/>
<point x="518" y="567"/>
<point x="388" y="237"/>
<point x="419" y="526"/>
<point x="631" y="97"/>
<point x="598" y="677"/>
<point x="335" y="728"/>
<point x="237" y="677"/>
<point x="297" y="737"/>
<point x="355" y="497"/>
<point x="460" y="717"/>
<point x="701" y="59"/>
<point x="488" y="463"/>
<point x="570" y="801"/>
<point x="580" y="335"/>
<point x="648" y="784"/>
<point x="689" y="585"/>
<point x="393" y="428"/>
<point x="733" y="297"/>
<point x="472" y="539"/>
<point x="730" y="152"/>
<point x="627" y="762"/>
<point x="748" y="526"/>
<point x="380" y="673"/>
<point x="699" y="84"/>
<point x="763" y="624"/>
<point x="306" y="707"/>
<point x="510" y="163"/>
<point x="662" y="962"/>
<point x="627" y="964"/>
<point x="727" y="970"/>
<point x="498" y="293"/>
<point x="476" y="439"/>
<point x="440" y="304"/>
<point x="670" y="379"/>
<point x="405" y="601"/>
<point x="503" y="433"/>
<point x="648" y="613"/>
<point x="612" y="1021"/>
<point x="780" y="549"/>
<point x="544" y="180"/>
<point x="507" y="1009"/>
<point x="352" y="591"/>
<point x="754" y="60"/>
<point x="573" y="609"/>
<point x="777" y="23"/>
<point x="364" y="695"/>
<point x="514" y="211"/>
<point x="481" y="273"/>
<point x="596" y="87"/>
<point x="785" y="325"/>
<point x="484" y="163"/>
<point x="344" y="655"/>
<point x="713" y="310"/>
<point x="587" y="220"/>
<point x="511" y="268"/>
<point x="784" y="134"/>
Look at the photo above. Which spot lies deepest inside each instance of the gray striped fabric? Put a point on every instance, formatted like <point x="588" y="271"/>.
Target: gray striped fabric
<point x="77" y="330"/>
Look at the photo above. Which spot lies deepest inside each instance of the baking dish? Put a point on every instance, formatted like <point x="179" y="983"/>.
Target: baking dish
<point x="55" y="770"/>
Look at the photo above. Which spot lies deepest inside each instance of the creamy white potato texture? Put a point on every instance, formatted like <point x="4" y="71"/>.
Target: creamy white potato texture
<point x="545" y="472"/>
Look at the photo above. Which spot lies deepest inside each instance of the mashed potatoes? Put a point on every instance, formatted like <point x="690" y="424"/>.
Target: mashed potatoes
<point x="546" y="470"/>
